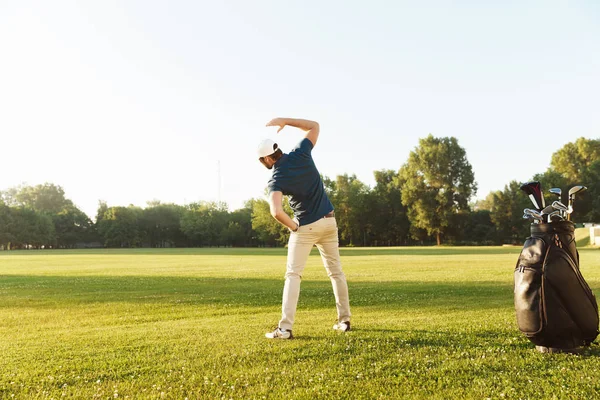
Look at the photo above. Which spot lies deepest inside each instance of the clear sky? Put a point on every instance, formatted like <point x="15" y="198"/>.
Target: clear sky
<point x="130" y="101"/>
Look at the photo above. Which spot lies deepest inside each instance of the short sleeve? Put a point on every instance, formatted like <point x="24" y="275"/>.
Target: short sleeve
<point x="304" y="147"/>
<point x="273" y="186"/>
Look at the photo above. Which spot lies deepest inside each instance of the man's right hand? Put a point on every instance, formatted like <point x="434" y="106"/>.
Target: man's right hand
<point x="280" y="122"/>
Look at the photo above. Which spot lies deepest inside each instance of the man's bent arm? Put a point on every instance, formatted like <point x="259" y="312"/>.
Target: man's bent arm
<point x="310" y="127"/>
<point x="276" y="207"/>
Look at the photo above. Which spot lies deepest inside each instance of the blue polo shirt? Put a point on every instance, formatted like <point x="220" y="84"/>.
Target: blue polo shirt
<point x="296" y="176"/>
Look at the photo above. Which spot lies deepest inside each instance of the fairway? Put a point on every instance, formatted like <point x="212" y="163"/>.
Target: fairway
<point x="427" y="323"/>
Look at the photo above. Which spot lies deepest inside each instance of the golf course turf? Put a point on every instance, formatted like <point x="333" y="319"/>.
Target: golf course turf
<point x="428" y="322"/>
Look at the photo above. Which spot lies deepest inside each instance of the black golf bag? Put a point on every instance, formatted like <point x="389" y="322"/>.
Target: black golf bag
<point x="555" y="306"/>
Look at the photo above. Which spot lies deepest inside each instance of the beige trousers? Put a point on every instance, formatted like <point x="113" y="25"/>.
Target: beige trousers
<point x="324" y="234"/>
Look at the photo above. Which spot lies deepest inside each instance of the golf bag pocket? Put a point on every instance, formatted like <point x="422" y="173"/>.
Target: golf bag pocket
<point x="562" y="274"/>
<point x="528" y="286"/>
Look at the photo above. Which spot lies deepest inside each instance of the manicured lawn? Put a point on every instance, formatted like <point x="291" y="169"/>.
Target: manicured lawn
<point x="427" y="323"/>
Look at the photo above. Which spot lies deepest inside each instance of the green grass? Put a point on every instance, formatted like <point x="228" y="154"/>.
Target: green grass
<point x="427" y="323"/>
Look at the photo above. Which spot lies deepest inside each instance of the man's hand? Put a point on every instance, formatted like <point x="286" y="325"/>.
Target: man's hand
<point x="280" y="122"/>
<point x="310" y="127"/>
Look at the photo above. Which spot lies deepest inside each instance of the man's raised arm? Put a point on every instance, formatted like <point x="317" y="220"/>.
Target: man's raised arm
<point x="310" y="127"/>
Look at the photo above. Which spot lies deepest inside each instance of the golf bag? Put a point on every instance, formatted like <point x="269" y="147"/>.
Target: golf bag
<point x="554" y="304"/>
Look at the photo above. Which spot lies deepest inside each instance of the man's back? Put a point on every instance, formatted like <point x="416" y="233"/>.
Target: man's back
<point x="296" y="175"/>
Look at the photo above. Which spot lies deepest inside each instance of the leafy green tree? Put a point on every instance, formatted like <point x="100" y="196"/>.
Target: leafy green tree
<point x="31" y="228"/>
<point x="350" y="199"/>
<point x="579" y="164"/>
<point x="594" y="193"/>
<point x="71" y="226"/>
<point x="243" y="218"/>
<point x="574" y="160"/>
<point x="233" y="235"/>
<point x="552" y="179"/>
<point x="6" y="226"/>
<point x="203" y="223"/>
<point x="119" y="227"/>
<point x="479" y="228"/>
<point x="438" y="183"/>
<point x="389" y="219"/>
<point x="268" y="231"/>
<point x="102" y="209"/>
<point x="47" y="198"/>
<point x="160" y="225"/>
<point x="506" y="213"/>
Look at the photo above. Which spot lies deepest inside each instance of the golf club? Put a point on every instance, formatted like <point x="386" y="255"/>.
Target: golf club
<point x="528" y="213"/>
<point x="557" y="192"/>
<point x="547" y="211"/>
<point x="534" y="191"/>
<point x="555" y="216"/>
<point x="557" y="205"/>
<point x="574" y="190"/>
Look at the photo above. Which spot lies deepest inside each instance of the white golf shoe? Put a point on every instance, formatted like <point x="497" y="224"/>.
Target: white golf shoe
<point x="342" y="326"/>
<point x="279" y="334"/>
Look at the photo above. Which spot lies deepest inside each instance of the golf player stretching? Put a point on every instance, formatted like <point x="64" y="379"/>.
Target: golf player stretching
<point x="295" y="175"/>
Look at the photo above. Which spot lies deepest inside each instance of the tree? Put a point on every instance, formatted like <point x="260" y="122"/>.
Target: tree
<point x="119" y="226"/>
<point x="233" y="234"/>
<point x="594" y="192"/>
<point x="160" y="225"/>
<point x="574" y="160"/>
<point x="102" y="208"/>
<point x="243" y="218"/>
<point x="349" y="196"/>
<point x="268" y="230"/>
<point x="203" y="223"/>
<point x="479" y="228"/>
<point x="438" y="183"/>
<point x="71" y="226"/>
<point x="390" y="222"/>
<point x="6" y="226"/>
<point x="551" y="179"/>
<point x="506" y="213"/>
<point x="47" y="198"/>
<point x="579" y="164"/>
<point x="31" y="228"/>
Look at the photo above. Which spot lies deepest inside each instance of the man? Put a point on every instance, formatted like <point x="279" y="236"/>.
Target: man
<point x="295" y="175"/>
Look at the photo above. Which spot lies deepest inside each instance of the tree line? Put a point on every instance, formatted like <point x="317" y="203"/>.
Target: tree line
<point x="426" y="201"/>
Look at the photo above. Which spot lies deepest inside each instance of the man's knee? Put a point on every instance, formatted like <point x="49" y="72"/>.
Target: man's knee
<point x="334" y="268"/>
<point x="293" y="275"/>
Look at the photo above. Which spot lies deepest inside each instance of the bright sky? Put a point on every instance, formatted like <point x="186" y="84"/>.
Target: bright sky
<point x="130" y="101"/>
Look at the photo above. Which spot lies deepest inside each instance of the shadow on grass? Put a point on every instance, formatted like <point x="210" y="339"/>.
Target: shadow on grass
<point x="64" y="291"/>
<point x="469" y="341"/>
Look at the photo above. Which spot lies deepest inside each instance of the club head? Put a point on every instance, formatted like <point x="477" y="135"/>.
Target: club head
<point x="532" y="219"/>
<point x="576" y="189"/>
<point x="555" y="216"/>
<point x="557" y="205"/>
<point x="534" y="191"/>
<point x="547" y="210"/>
<point x="557" y="192"/>
<point x="535" y="215"/>
<point x="532" y="212"/>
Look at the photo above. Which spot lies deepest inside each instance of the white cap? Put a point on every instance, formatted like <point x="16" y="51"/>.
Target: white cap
<point x="266" y="148"/>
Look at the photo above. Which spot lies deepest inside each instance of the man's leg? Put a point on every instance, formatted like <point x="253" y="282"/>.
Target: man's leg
<point x="299" y="247"/>
<point x="328" y="246"/>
